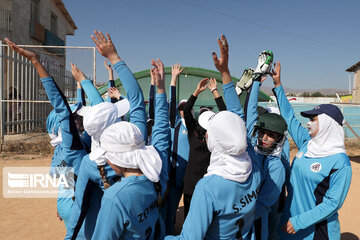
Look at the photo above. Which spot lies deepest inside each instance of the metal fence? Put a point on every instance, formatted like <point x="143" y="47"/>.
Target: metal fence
<point x="24" y="105"/>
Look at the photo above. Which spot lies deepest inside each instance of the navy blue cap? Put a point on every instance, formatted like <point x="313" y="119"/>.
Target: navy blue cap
<point x="329" y="109"/>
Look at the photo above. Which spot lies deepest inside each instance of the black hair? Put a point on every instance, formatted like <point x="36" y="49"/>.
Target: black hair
<point x="160" y="199"/>
<point x="103" y="176"/>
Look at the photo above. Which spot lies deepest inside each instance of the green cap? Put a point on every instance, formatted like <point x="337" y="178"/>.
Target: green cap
<point x="272" y="122"/>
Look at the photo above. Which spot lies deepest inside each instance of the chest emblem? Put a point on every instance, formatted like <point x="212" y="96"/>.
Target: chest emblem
<point x="315" y="167"/>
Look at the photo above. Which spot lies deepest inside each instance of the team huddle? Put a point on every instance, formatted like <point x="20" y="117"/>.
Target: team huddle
<point x="232" y="167"/>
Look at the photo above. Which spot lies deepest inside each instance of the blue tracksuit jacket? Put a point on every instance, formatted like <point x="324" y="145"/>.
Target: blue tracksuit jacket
<point x="87" y="194"/>
<point x="271" y="167"/>
<point x="121" y="217"/>
<point x="318" y="186"/>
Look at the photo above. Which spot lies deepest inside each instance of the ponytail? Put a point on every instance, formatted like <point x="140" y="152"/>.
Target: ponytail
<point x="160" y="199"/>
<point x="103" y="176"/>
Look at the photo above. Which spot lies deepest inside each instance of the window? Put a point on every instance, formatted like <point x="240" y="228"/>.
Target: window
<point x="34" y="14"/>
<point x="53" y="28"/>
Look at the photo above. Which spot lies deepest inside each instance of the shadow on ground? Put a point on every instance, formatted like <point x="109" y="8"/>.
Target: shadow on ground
<point x="349" y="236"/>
<point x="355" y="159"/>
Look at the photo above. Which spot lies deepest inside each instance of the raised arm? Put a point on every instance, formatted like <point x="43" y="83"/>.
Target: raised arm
<point x="214" y="90"/>
<point x="298" y="133"/>
<point x="114" y="93"/>
<point x="251" y="104"/>
<point x="160" y="130"/>
<point x="137" y="113"/>
<point x="89" y="88"/>
<point x="152" y="94"/>
<point x="70" y="136"/>
<point x="189" y="118"/>
<point x="231" y="98"/>
<point x="80" y="94"/>
<point x="111" y="82"/>
<point x="175" y="72"/>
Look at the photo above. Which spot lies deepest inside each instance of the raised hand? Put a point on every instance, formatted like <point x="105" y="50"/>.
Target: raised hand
<point x="29" y="55"/>
<point x="114" y="93"/>
<point x="160" y="67"/>
<point x="152" y="74"/>
<point x="176" y="69"/>
<point x="105" y="46"/>
<point x="77" y="73"/>
<point x="159" y="81"/>
<point x="213" y="87"/>
<point x="25" y="53"/>
<point x="221" y="63"/>
<point x="275" y="74"/>
<point x="202" y="85"/>
<point x="265" y="60"/>
<point x="212" y="84"/>
<point x="108" y="66"/>
<point x="175" y="72"/>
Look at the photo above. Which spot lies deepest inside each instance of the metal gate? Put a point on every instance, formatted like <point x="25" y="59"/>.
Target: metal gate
<point x="24" y="105"/>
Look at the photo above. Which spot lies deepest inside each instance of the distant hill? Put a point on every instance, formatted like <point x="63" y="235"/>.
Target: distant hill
<point x="298" y="92"/>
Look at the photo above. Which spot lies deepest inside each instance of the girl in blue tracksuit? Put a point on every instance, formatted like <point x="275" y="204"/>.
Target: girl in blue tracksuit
<point x="88" y="192"/>
<point x="320" y="173"/>
<point x="89" y="179"/>
<point x="223" y="203"/>
<point x="129" y="209"/>
<point x="69" y="150"/>
<point x="179" y="154"/>
<point x="271" y="166"/>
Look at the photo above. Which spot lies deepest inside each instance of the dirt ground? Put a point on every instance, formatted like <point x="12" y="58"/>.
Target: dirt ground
<point x="36" y="218"/>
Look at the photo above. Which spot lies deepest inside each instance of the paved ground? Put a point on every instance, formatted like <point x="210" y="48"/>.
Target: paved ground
<point x="36" y="218"/>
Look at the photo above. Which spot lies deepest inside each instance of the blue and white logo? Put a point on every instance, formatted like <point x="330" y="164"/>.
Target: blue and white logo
<point x="315" y="167"/>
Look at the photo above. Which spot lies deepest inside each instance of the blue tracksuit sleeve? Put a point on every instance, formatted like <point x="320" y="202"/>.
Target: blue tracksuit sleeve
<point x="92" y="93"/>
<point x="174" y="115"/>
<point x="112" y="222"/>
<point x="271" y="187"/>
<point x="232" y="100"/>
<point x="197" y="222"/>
<point x="298" y="133"/>
<point x="137" y="113"/>
<point x="70" y="135"/>
<point x="251" y="113"/>
<point x="79" y="95"/>
<point x="334" y="198"/>
<point x="151" y="102"/>
<point x="161" y="135"/>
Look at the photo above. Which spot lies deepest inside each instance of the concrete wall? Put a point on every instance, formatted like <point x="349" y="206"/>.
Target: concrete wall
<point x="315" y="100"/>
<point x="20" y="20"/>
<point x="356" y="89"/>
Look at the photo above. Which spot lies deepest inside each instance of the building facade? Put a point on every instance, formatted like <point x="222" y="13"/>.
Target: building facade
<point x="356" y="82"/>
<point x="35" y="22"/>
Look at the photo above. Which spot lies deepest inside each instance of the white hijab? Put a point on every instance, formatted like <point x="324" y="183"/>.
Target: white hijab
<point x="123" y="145"/>
<point x="227" y="144"/>
<point x="97" y="118"/>
<point x="328" y="141"/>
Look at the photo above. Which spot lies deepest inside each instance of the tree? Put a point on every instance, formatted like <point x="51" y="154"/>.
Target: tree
<point x="317" y="94"/>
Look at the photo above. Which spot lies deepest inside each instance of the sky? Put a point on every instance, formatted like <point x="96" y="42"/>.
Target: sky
<point x="315" y="41"/>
